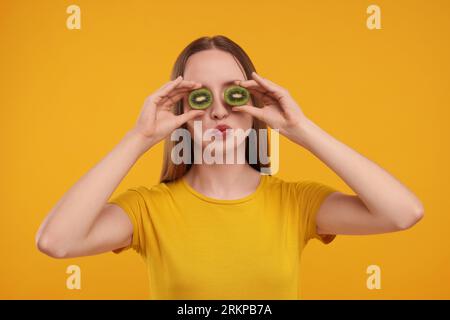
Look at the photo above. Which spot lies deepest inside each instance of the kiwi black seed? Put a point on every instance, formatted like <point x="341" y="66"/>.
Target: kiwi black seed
<point x="236" y="95"/>
<point x="200" y="98"/>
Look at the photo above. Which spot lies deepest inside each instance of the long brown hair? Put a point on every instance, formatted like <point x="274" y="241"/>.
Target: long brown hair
<point x="171" y="171"/>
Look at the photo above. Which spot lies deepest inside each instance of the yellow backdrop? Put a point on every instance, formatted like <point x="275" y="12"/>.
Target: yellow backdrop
<point x="68" y="96"/>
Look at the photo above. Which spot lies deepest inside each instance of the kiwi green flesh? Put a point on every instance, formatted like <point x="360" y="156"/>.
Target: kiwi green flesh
<point x="200" y="99"/>
<point x="236" y="96"/>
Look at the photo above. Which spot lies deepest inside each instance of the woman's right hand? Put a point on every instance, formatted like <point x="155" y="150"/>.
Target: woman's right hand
<point x="157" y="119"/>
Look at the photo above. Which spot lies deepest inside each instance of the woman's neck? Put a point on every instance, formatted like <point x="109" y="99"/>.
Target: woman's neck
<point x="223" y="181"/>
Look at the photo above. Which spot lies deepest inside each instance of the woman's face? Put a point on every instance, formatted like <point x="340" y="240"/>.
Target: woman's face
<point x="216" y="70"/>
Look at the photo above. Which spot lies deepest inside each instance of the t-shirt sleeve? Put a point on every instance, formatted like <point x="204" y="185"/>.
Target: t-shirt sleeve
<point x="311" y="195"/>
<point x="132" y="201"/>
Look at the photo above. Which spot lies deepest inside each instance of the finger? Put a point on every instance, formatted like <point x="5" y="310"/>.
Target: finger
<point x="164" y="90"/>
<point x="178" y="90"/>
<point x="250" y="84"/>
<point x="257" y="90"/>
<point x="170" y="101"/>
<point x="245" y="83"/>
<point x="188" y="84"/>
<point x="264" y="97"/>
<point x="281" y="95"/>
<point x="274" y="89"/>
<point x="167" y="83"/>
<point x="169" y="90"/>
<point x="191" y="114"/>
<point x="183" y="85"/>
<point x="174" y="93"/>
<point x="155" y="99"/>
<point x="254" y="111"/>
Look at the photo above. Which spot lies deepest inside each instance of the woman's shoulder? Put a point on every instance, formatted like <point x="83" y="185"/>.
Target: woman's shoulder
<point x="158" y="188"/>
<point x="285" y="185"/>
<point x="279" y="182"/>
<point x="276" y="186"/>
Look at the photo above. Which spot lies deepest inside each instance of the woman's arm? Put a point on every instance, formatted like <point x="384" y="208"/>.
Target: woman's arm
<point x="82" y="222"/>
<point x="66" y="231"/>
<point x="381" y="204"/>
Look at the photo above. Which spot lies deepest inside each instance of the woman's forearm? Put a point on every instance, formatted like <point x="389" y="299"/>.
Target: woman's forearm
<point x="382" y="194"/>
<point x="74" y="214"/>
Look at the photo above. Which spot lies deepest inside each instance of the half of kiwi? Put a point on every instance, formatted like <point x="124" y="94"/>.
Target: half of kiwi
<point x="236" y="95"/>
<point x="200" y="98"/>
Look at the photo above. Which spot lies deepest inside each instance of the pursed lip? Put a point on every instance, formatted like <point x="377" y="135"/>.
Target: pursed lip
<point x="222" y="127"/>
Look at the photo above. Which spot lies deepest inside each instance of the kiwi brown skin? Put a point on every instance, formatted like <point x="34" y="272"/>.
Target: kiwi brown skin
<point x="231" y="95"/>
<point x="200" y="98"/>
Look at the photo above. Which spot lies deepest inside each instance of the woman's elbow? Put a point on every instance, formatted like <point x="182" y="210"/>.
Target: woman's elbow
<point x="411" y="219"/>
<point x="50" y="246"/>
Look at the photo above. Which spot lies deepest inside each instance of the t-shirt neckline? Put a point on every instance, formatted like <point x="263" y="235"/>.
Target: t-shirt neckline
<point x="224" y="201"/>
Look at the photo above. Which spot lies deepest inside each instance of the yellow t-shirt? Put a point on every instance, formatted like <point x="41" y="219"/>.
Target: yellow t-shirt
<point x="198" y="247"/>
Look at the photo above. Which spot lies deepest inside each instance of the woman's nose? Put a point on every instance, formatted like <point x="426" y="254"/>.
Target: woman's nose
<point x="219" y="108"/>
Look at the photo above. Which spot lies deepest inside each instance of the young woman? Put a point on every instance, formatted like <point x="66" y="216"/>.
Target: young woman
<point x="222" y="231"/>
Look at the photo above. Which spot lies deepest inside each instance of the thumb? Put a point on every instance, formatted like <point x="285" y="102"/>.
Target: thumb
<point x="191" y="114"/>
<point x="254" y="111"/>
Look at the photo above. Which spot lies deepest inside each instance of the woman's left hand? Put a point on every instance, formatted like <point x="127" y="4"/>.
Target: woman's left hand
<point x="279" y="110"/>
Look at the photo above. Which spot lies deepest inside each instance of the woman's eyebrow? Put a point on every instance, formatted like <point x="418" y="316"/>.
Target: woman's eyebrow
<point x="226" y="83"/>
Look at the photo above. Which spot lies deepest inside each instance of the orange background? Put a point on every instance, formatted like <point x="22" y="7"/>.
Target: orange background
<point x="68" y="96"/>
